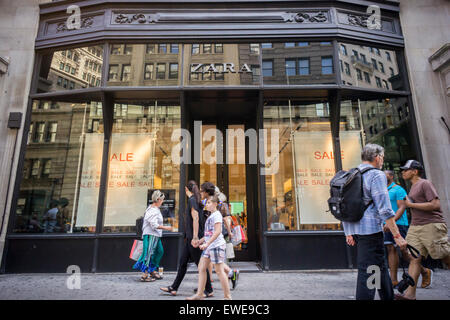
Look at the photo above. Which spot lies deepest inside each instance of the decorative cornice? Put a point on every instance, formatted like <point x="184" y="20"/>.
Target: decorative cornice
<point x="316" y="16"/>
<point x="139" y="18"/>
<point x="307" y="17"/>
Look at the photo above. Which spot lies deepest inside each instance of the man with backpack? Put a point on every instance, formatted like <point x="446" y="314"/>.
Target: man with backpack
<point x="367" y="232"/>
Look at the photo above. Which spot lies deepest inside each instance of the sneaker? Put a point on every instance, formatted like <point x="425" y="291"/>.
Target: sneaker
<point x="427" y="278"/>
<point x="234" y="279"/>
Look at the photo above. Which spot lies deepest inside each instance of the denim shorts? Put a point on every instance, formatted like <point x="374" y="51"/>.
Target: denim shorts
<point x="389" y="239"/>
<point x="216" y="255"/>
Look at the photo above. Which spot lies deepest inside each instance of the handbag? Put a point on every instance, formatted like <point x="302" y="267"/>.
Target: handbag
<point x="229" y="251"/>
<point x="136" y="250"/>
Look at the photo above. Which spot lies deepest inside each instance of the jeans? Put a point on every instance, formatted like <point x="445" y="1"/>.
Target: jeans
<point x="370" y="252"/>
<point x="189" y="253"/>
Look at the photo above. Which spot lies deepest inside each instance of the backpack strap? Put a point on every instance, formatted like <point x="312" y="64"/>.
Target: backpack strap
<point x="362" y="191"/>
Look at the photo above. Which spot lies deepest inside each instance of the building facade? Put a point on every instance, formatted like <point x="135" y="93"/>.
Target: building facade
<point x="267" y="100"/>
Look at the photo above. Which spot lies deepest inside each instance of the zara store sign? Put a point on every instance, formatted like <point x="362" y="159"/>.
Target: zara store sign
<point x="219" y="68"/>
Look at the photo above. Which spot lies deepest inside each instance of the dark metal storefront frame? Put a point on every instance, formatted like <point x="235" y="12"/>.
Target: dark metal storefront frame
<point x="95" y="252"/>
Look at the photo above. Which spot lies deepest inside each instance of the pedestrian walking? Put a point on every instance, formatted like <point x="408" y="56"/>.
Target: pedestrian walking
<point x="428" y="230"/>
<point x="213" y="246"/>
<point x="153" y="250"/>
<point x="194" y="223"/>
<point x="233" y="274"/>
<point x="396" y="196"/>
<point x="367" y="233"/>
<point x="208" y="189"/>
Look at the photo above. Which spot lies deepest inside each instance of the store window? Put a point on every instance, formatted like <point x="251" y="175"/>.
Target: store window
<point x="145" y="65"/>
<point x="59" y="66"/>
<point x="60" y="186"/>
<point x="371" y="62"/>
<point x="299" y="201"/>
<point x="140" y="161"/>
<point x="386" y="122"/>
<point x="314" y="64"/>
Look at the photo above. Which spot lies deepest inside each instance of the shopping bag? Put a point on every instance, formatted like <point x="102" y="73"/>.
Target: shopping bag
<point x="136" y="250"/>
<point x="243" y="235"/>
<point x="236" y="237"/>
<point x="229" y="251"/>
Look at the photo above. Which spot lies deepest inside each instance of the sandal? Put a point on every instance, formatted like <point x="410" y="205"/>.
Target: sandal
<point x="147" y="279"/>
<point x="169" y="290"/>
<point x="156" y="276"/>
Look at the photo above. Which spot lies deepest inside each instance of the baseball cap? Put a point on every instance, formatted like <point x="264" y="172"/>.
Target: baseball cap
<point x="412" y="164"/>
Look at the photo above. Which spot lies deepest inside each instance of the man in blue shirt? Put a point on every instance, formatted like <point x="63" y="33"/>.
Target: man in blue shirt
<point x="367" y="233"/>
<point x="396" y="196"/>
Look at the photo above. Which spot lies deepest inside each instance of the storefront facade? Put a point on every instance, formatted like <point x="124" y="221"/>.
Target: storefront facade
<point x="256" y="97"/>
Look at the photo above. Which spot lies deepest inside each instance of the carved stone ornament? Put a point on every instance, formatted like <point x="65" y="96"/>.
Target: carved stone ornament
<point x="84" y="23"/>
<point x="360" y="21"/>
<point x="136" y="18"/>
<point x="306" y="17"/>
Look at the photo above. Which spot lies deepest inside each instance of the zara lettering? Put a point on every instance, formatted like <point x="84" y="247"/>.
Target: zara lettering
<point x="227" y="67"/>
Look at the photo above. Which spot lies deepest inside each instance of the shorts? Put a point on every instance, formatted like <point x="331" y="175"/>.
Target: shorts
<point x="430" y="239"/>
<point x="216" y="255"/>
<point x="389" y="238"/>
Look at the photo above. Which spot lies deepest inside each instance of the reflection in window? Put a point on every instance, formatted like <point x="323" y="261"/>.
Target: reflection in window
<point x="370" y="60"/>
<point x="60" y="185"/>
<point x="254" y="48"/>
<point x="150" y="48"/>
<point x="173" y="72"/>
<point x="162" y="48"/>
<point x="140" y="161"/>
<point x="327" y="65"/>
<point x="195" y="49"/>
<point x="385" y="122"/>
<point x="68" y="70"/>
<point x="126" y="72"/>
<point x="299" y="202"/>
<point x="207" y="48"/>
<point x="145" y="65"/>
<point x="161" y="71"/>
<point x="313" y="64"/>
<point x="267" y="67"/>
<point x="148" y="71"/>
<point x="218" y="48"/>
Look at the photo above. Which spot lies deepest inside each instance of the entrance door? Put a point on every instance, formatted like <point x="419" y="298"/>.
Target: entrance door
<point x="224" y="164"/>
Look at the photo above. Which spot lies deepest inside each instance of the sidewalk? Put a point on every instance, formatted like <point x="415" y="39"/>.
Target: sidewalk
<point x="313" y="285"/>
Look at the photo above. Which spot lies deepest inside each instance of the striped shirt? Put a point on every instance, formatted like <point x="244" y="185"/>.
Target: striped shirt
<point x="375" y="188"/>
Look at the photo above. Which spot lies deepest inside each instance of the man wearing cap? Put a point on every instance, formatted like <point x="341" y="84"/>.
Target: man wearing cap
<point x="428" y="230"/>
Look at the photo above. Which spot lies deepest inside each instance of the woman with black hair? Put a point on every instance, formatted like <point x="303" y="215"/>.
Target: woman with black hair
<point x="194" y="223"/>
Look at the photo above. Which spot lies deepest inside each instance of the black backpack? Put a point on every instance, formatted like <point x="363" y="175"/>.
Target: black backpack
<point x="347" y="198"/>
<point x="139" y="225"/>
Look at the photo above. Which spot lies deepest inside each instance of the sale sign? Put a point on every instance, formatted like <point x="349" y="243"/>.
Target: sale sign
<point x="130" y="176"/>
<point x="314" y="165"/>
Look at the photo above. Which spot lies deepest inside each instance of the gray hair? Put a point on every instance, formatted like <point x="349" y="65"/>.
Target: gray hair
<point x="370" y="151"/>
<point x="157" y="195"/>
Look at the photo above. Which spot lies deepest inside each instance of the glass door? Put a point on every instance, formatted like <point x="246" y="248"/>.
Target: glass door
<point x="226" y="168"/>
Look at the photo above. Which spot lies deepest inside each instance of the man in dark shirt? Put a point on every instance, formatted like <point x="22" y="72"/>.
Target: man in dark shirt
<point x="194" y="222"/>
<point x="428" y="230"/>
